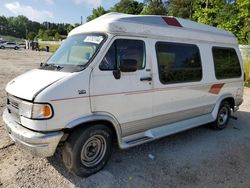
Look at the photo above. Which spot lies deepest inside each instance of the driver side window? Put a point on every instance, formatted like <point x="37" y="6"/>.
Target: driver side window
<point x="123" y="49"/>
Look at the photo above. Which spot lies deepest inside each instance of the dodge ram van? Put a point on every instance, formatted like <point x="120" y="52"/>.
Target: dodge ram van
<point x="128" y="80"/>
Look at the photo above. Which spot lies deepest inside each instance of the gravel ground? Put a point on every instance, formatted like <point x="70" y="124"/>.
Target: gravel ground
<point x="196" y="158"/>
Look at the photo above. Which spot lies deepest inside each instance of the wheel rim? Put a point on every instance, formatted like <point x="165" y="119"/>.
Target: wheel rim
<point x="93" y="150"/>
<point x="223" y="116"/>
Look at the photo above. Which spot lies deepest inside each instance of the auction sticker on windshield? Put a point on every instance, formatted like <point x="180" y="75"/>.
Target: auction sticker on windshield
<point x="94" y="39"/>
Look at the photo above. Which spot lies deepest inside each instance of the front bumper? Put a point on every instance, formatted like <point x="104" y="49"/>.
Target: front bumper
<point x="39" y="144"/>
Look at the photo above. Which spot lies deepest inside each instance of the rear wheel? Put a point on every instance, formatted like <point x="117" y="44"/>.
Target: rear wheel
<point x="222" y="116"/>
<point x="87" y="151"/>
<point x="16" y="48"/>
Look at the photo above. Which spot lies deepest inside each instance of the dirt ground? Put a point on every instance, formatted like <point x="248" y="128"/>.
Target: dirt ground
<point x="199" y="157"/>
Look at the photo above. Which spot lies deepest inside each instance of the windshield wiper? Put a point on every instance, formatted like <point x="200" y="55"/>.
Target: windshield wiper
<point x="57" y="67"/>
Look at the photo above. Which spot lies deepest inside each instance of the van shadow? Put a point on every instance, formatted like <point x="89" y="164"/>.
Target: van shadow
<point x="154" y="163"/>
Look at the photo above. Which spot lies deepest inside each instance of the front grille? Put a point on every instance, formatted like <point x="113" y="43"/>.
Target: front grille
<point x="13" y="105"/>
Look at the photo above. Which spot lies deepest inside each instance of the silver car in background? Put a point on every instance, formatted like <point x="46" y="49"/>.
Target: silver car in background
<point x="10" y="45"/>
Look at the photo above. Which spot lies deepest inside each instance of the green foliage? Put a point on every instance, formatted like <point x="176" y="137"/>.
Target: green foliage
<point x="247" y="69"/>
<point x="243" y="21"/>
<point x="31" y="35"/>
<point x="22" y="27"/>
<point x="57" y="36"/>
<point x="247" y="84"/>
<point x="154" y="7"/>
<point x="180" y="8"/>
<point x="229" y="15"/>
<point x="69" y="28"/>
<point x="52" y="47"/>
<point x="96" y="12"/>
<point x="12" y="39"/>
<point x="128" y="7"/>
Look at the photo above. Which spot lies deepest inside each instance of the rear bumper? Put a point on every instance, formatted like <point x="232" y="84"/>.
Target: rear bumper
<point x="237" y="104"/>
<point x="39" y="144"/>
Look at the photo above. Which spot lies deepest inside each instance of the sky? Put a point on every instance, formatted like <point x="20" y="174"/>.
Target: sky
<point x="59" y="11"/>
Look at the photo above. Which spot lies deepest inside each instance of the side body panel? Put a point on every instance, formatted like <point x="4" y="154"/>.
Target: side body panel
<point x="128" y="98"/>
<point x="67" y="103"/>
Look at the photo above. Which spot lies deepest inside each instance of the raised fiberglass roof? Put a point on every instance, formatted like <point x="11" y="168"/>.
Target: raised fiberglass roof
<point x="163" y="26"/>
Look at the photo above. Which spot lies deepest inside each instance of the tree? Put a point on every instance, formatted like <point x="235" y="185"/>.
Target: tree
<point x="128" y="7"/>
<point x="206" y="11"/>
<point x="155" y="7"/>
<point x="3" y="25"/>
<point x="31" y="35"/>
<point x="243" y="21"/>
<point x="76" y="24"/>
<point x="229" y="15"/>
<point x="180" y="8"/>
<point x="69" y="28"/>
<point x="45" y="36"/>
<point x="57" y="36"/>
<point x="96" y="12"/>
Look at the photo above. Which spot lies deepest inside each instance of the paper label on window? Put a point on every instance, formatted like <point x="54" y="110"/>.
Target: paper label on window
<point x="94" y="39"/>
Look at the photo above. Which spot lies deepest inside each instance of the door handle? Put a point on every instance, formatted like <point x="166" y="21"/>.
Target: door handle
<point x="146" y="79"/>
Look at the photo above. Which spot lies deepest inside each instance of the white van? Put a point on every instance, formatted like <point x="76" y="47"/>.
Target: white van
<point x="128" y="80"/>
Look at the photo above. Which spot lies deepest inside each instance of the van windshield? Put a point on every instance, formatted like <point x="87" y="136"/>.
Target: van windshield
<point x="75" y="53"/>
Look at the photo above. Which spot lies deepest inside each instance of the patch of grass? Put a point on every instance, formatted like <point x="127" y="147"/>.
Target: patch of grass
<point x="247" y="84"/>
<point x="247" y="69"/>
<point x="52" y="47"/>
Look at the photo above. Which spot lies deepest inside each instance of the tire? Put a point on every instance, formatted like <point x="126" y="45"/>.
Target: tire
<point x="88" y="150"/>
<point x="223" y="116"/>
<point x="16" y="48"/>
<point x="2" y="47"/>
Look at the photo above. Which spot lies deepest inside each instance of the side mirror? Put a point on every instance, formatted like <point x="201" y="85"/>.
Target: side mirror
<point x="128" y="65"/>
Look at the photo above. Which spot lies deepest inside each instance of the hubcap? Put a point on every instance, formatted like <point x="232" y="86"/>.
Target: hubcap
<point x="223" y="116"/>
<point x="93" y="150"/>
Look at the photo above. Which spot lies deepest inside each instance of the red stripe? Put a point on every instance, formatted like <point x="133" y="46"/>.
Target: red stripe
<point x="215" y="89"/>
<point x="171" y="21"/>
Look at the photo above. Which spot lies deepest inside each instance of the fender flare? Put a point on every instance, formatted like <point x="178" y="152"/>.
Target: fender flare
<point x="218" y="102"/>
<point x="98" y="116"/>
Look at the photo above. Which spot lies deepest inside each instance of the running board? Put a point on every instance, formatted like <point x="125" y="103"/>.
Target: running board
<point x="165" y="130"/>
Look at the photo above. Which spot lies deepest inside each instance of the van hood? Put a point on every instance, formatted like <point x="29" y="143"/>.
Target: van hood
<point x="29" y="84"/>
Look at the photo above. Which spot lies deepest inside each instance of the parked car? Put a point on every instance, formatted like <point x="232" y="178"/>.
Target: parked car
<point x="126" y="79"/>
<point x="10" y="45"/>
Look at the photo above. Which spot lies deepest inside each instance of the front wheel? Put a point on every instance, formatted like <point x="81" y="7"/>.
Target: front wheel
<point x="222" y="116"/>
<point x="87" y="151"/>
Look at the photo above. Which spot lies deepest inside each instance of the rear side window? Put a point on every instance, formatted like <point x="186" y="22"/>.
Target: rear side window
<point x="178" y="62"/>
<point x="226" y="63"/>
<point x="124" y="49"/>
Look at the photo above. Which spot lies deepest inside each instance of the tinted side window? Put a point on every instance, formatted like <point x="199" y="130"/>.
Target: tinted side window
<point x="226" y="63"/>
<point x="124" y="49"/>
<point x="178" y="62"/>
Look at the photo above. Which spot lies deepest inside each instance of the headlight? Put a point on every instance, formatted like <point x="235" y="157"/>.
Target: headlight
<point x="25" y="109"/>
<point x="35" y="111"/>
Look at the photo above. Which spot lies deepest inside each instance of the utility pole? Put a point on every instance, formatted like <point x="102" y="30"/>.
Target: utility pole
<point x="81" y="20"/>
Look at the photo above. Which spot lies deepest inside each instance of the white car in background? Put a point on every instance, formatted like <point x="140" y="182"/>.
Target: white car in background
<point x="10" y="45"/>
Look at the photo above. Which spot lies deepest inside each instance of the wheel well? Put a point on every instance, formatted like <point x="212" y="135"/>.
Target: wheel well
<point x="231" y="101"/>
<point x="88" y="124"/>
